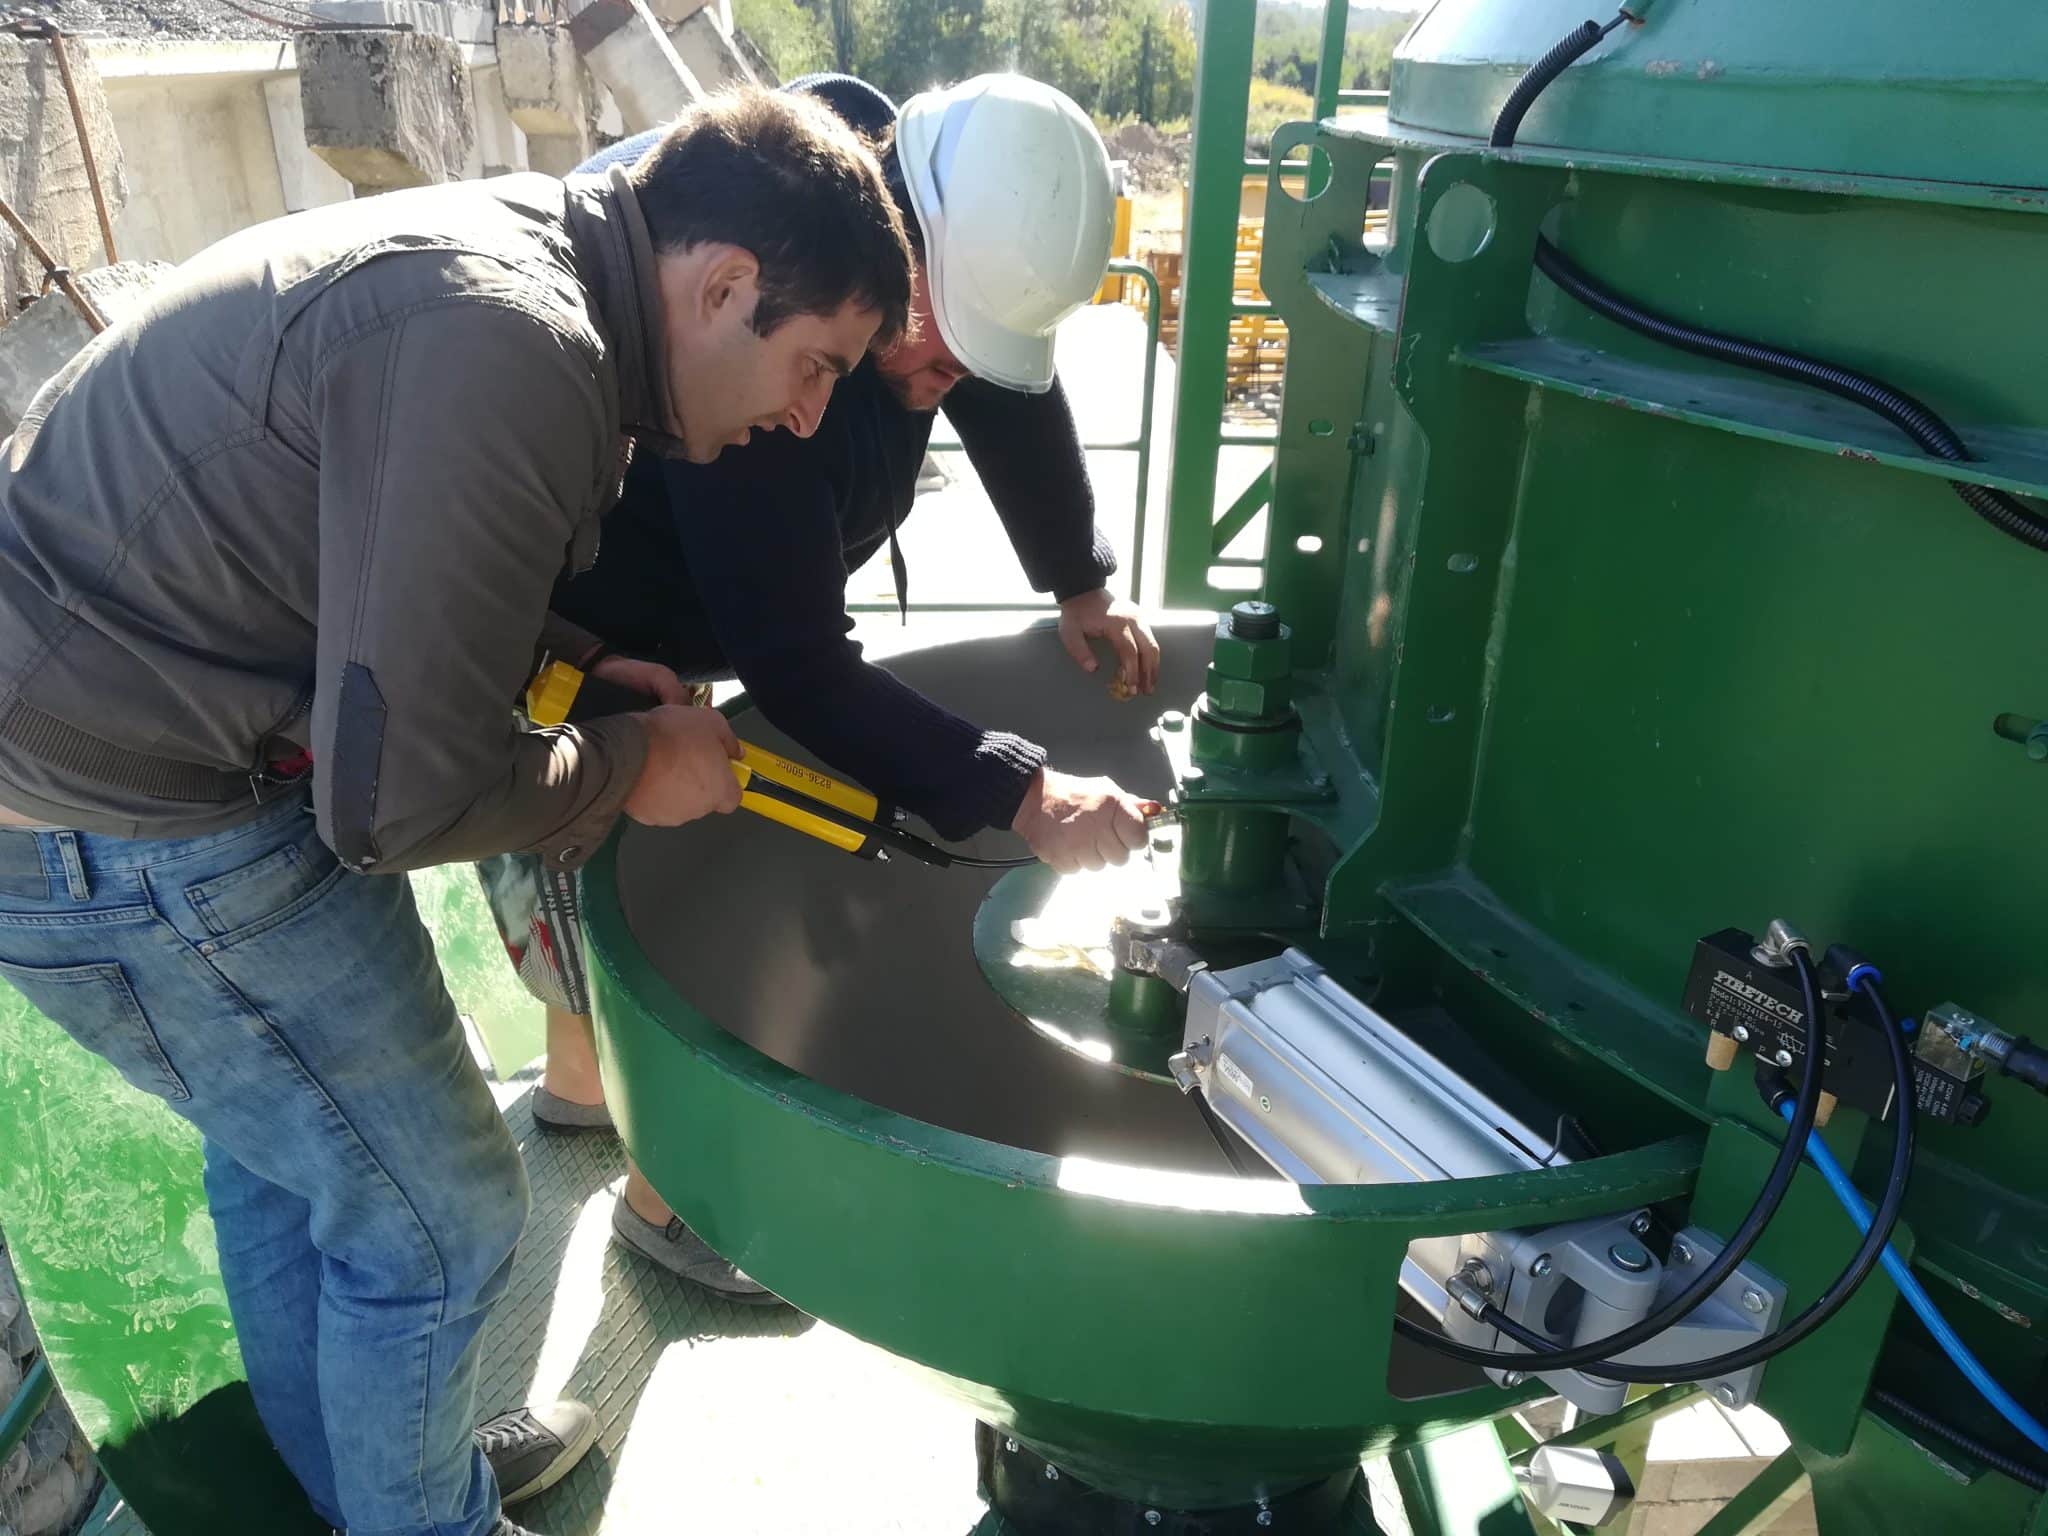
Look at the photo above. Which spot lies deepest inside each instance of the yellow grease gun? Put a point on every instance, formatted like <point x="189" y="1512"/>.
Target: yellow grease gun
<point x="790" y="794"/>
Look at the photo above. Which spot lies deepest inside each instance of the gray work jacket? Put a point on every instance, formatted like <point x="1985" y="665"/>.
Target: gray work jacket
<point x="314" y="494"/>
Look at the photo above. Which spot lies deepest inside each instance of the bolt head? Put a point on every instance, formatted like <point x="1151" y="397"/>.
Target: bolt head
<point x="1782" y="1057"/>
<point x="1741" y="1031"/>
<point x="1754" y="1300"/>
<point x="1513" y="1378"/>
<point x="1052" y="1474"/>
<point x="1010" y="1446"/>
<point x="1173" y="720"/>
<point x="1641" y="1225"/>
<point x="1541" y="1266"/>
<point x="1681" y="1252"/>
<point x="1265" y="1517"/>
<point x="1151" y="1517"/>
<point x="1632" y="1257"/>
<point x="1726" y="1396"/>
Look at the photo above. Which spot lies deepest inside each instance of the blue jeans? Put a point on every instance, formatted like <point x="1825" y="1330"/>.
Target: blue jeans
<point x="366" y="1193"/>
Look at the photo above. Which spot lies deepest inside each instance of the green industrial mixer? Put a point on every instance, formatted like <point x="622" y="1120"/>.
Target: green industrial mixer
<point x="1640" y="709"/>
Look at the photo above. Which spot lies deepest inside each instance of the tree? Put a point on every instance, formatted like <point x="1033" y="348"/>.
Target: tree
<point x="792" y="37"/>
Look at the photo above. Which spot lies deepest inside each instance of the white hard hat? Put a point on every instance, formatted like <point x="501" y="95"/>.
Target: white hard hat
<point x="1010" y="184"/>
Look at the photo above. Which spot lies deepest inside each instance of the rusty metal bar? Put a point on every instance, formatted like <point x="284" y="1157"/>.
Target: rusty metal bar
<point x="60" y="275"/>
<point x="92" y="169"/>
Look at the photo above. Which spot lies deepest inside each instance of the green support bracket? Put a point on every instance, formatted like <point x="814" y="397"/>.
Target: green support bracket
<point x="1314" y="248"/>
<point x="1251" y="501"/>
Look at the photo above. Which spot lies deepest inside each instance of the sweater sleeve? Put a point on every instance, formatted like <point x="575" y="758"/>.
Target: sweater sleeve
<point x="1028" y="454"/>
<point x="761" y="536"/>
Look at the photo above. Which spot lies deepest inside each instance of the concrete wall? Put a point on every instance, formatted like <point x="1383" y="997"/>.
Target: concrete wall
<point x="202" y="162"/>
<point x="42" y="169"/>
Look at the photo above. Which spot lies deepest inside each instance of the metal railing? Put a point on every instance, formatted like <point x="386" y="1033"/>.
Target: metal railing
<point x="1140" y="445"/>
<point x="1195" y="535"/>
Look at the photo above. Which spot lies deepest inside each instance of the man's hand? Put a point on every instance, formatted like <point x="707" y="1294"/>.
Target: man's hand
<point x="648" y="677"/>
<point x="1074" y="823"/>
<point x="1099" y="616"/>
<point x="688" y="773"/>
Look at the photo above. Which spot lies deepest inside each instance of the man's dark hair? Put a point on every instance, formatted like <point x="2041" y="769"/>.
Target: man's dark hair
<point x="778" y="174"/>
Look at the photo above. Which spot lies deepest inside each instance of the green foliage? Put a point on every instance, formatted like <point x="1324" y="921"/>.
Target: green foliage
<point x="1117" y="58"/>
<point x="1289" y="44"/>
<point x="1271" y="105"/>
<point x="793" y="37"/>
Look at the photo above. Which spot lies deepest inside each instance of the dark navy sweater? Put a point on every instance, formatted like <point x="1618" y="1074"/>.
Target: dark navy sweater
<point x="739" y="567"/>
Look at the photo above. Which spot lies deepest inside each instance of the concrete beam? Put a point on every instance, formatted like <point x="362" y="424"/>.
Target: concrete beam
<point x="629" y="54"/>
<point x="463" y="21"/>
<point x="121" y="58"/>
<point x="708" y="51"/>
<point x="386" y="109"/>
<point x="42" y="164"/>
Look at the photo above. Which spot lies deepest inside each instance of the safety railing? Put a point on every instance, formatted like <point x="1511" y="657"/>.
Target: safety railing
<point x="1141" y="445"/>
<point x="1196" y="536"/>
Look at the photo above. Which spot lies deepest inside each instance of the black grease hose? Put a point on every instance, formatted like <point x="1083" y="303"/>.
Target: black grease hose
<point x="1912" y="417"/>
<point x="1919" y="422"/>
<point x="2019" y="1471"/>
<point x="1542" y="72"/>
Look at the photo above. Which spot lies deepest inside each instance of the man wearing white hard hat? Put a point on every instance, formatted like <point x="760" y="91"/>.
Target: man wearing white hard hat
<point x="740" y="566"/>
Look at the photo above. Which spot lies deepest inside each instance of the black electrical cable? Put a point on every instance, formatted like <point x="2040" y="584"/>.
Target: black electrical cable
<point x="1717" y="1272"/>
<point x="2019" y="1471"/>
<point x="1542" y="72"/>
<point x="1913" y="417"/>
<point x="967" y="861"/>
<point x="1918" y="421"/>
<point x="1823" y="1308"/>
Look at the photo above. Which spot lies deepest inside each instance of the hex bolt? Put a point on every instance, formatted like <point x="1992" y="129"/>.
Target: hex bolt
<point x="1513" y="1378"/>
<point x="1726" y="1396"/>
<point x="1754" y="1300"/>
<point x="1540" y="1267"/>
<point x="1151" y="1517"/>
<point x="1641" y="1225"/>
<point x="1052" y="1474"/>
<point x="1782" y="1057"/>
<point x="1010" y="1446"/>
<point x="1681" y="1251"/>
<point x="1173" y="720"/>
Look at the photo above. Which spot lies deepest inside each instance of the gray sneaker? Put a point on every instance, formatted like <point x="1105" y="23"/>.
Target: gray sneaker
<point x="565" y="1117"/>
<point x="686" y="1255"/>
<point x="531" y="1450"/>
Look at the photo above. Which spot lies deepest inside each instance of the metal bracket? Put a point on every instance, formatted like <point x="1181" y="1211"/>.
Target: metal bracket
<point x="1307" y="784"/>
<point x="1533" y="1272"/>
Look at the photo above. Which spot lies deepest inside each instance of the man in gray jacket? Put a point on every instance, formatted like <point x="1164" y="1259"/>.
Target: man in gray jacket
<point x="282" y="543"/>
